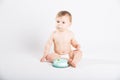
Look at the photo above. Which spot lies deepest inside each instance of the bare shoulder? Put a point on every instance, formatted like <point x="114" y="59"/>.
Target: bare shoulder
<point x="54" y="32"/>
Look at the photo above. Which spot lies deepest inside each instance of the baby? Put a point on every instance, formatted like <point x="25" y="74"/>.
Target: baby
<point x="63" y="40"/>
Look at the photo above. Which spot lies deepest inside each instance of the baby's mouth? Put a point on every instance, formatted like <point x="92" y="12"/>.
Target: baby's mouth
<point x="60" y="29"/>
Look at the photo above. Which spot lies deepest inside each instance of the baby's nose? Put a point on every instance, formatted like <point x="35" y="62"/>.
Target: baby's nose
<point x="59" y="26"/>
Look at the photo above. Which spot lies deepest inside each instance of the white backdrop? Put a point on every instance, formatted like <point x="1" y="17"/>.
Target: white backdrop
<point x="25" y="25"/>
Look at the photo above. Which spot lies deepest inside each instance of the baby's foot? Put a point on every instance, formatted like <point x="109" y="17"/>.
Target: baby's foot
<point x="73" y="64"/>
<point x="69" y="61"/>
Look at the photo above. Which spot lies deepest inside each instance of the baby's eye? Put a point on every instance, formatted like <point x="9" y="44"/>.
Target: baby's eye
<point x="63" y="22"/>
<point x="58" y="21"/>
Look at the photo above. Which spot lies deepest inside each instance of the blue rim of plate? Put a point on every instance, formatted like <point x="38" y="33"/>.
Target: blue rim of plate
<point x="56" y="66"/>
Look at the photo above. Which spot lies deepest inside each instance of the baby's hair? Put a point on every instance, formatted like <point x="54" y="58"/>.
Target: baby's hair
<point x="64" y="13"/>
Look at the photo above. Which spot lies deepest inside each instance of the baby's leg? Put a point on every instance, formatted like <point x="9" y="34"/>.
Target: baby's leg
<point x="51" y="57"/>
<point x="76" y="56"/>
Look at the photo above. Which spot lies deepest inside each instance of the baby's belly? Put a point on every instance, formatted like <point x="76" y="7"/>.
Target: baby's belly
<point x="62" y="50"/>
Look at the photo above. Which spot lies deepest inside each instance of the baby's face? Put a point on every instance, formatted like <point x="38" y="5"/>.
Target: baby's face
<point x="62" y="23"/>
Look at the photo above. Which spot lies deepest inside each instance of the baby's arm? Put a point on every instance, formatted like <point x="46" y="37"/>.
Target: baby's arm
<point x="47" y="47"/>
<point x="75" y="43"/>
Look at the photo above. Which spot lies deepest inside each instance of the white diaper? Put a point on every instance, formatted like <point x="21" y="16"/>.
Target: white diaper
<point x="64" y="56"/>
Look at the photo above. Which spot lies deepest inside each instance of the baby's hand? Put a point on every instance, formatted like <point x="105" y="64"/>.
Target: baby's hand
<point x="43" y="59"/>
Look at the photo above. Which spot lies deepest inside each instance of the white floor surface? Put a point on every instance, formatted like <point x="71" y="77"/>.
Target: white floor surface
<point x="25" y="66"/>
